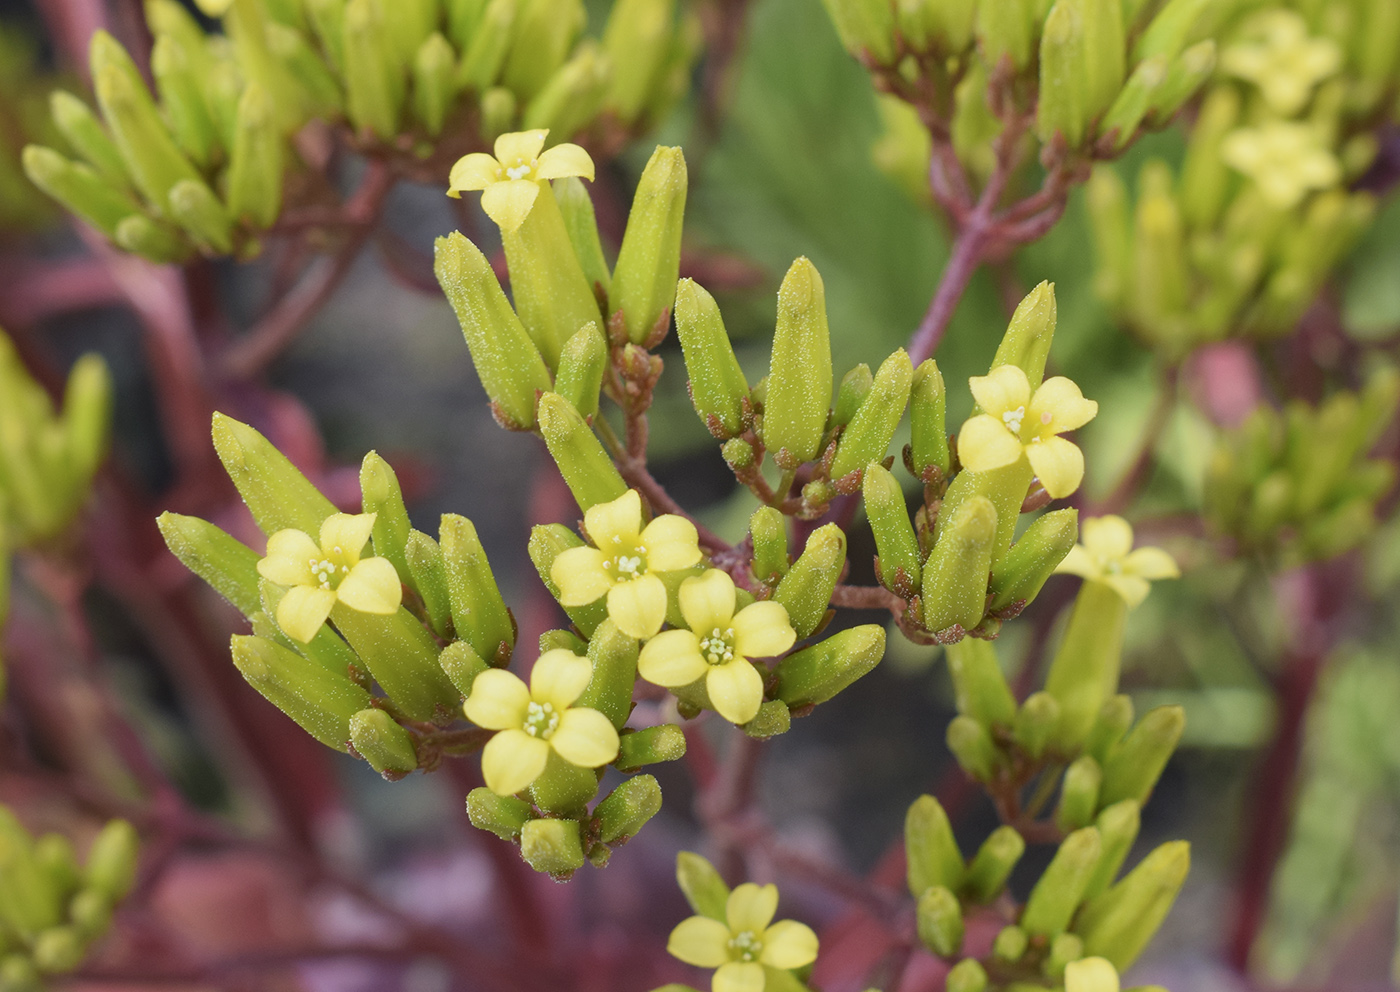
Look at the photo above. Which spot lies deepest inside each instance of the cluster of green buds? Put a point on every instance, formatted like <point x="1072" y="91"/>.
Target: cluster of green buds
<point x="1297" y="485"/>
<point x="23" y="118"/>
<point x="52" y="908"/>
<point x="203" y="166"/>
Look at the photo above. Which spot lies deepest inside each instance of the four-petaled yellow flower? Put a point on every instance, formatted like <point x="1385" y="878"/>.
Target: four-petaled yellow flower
<point x="742" y="946"/>
<point x="1284" y="159"/>
<point x="1282" y="60"/>
<point x="536" y="720"/>
<point x="1015" y="422"/>
<point x="510" y="180"/>
<point x="1105" y="554"/>
<point x="624" y="561"/>
<point x="719" y="645"/>
<point x="320" y="576"/>
<point x="1091" y="975"/>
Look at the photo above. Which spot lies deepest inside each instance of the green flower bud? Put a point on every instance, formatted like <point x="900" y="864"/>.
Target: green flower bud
<point x="1119" y="922"/>
<point x="504" y="816"/>
<point x="805" y="591"/>
<point x="1104" y="56"/>
<point x="563" y="788"/>
<point x="931" y="851"/>
<point x="383" y="743"/>
<point x="590" y="473"/>
<point x="86" y="135"/>
<point x="702" y="886"/>
<point x="1026" y="343"/>
<point x="78" y="188"/>
<point x="817" y="673"/>
<point x="151" y="239"/>
<point x="227" y="564"/>
<point x="576" y="206"/>
<point x="1136" y="765"/>
<point x="1010" y="944"/>
<point x="955" y="575"/>
<point x="1006" y="29"/>
<point x="614" y="658"/>
<point x="1133" y="102"/>
<point x="1021" y="573"/>
<point x="58" y="950"/>
<point x="374" y="84"/>
<point x="380" y="494"/>
<point x="1061" y="887"/>
<point x="627" y="808"/>
<point x="507" y="361"/>
<point x="255" y="165"/>
<point x="928" y="445"/>
<point x="773" y="718"/>
<point x="851" y="393"/>
<point x="178" y="83"/>
<point x="768" y="529"/>
<point x="1084" y="673"/>
<point x="993" y="863"/>
<point x="1035" y="722"/>
<point x="91" y="912"/>
<point x="198" y="211"/>
<point x="428" y="575"/>
<point x="552" y="846"/>
<point x="573" y="95"/>
<point x="978" y="683"/>
<point x="479" y="614"/>
<point x="581" y="367"/>
<point x="799" y="381"/>
<point x="1115" y="718"/>
<point x="1167" y="33"/>
<point x="56" y="859"/>
<point x="32" y="902"/>
<point x="1205" y="177"/>
<point x="1005" y="487"/>
<point x="546" y="543"/>
<point x="648" y="263"/>
<point x="434" y="82"/>
<point x="939" y="921"/>
<point x="320" y="89"/>
<point x="461" y="665"/>
<point x="1079" y="794"/>
<point x="278" y="496"/>
<point x="409" y="26"/>
<point x="111" y="860"/>
<point x="895" y="540"/>
<point x="967" y="975"/>
<point x="543" y="36"/>
<point x="1065" y="77"/>
<point x="868" y="436"/>
<point x="484" y="57"/>
<point x="717" y="384"/>
<point x="321" y="702"/>
<point x="1118" y="828"/>
<point x="1064" y="949"/>
<point x="1107" y="199"/>
<point x="1187" y="74"/>
<point x="973" y="748"/>
<point x="866" y="27"/>
<point x="650" y="746"/>
<point x="328" y="20"/>
<point x="402" y="657"/>
<point x="635" y="40"/>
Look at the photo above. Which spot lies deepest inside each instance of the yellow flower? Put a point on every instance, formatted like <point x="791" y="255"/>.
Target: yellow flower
<point x="1106" y="555"/>
<point x="510" y="180"/>
<point x="742" y="946"/>
<point x="1282" y="60"/>
<point x="1284" y="159"/>
<point x="1015" y="422"/>
<point x="319" y="577"/>
<point x="624" y="562"/>
<point x="536" y="720"/>
<point x="718" y="646"/>
<point x="1091" y="975"/>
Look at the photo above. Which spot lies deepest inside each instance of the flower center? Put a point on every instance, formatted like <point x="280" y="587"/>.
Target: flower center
<point x="718" y="648"/>
<point x="521" y="169"/>
<point x="1012" y="419"/>
<point x="541" y="720"/>
<point x="745" y="946"/>
<point x="330" y="568"/>
<point x="628" y="563"/>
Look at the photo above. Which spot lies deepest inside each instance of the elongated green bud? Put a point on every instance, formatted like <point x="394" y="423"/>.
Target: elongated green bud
<point x="1167" y="33"/>
<point x="1010" y="944"/>
<point x="1205" y="177"/>
<point x="1118" y="924"/>
<point x="627" y="808"/>
<point x="1136" y="765"/>
<point x="320" y="89"/>
<point x="717" y="384"/>
<point x="928" y="445"/>
<point x="328" y="20"/>
<point x="484" y="57"/>
<point x="461" y="665"/>
<point x="79" y="188"/>
<point x="866" y="27"/>
<point x="402" y="657"/>
<point x="427" y="574"/>
<point x="277" y="494"/>
<point x="799" y="380"/>
<point x="227" y="564"/>
<point x="1133" y="102"/>
<point x="91" y="912"/>
<point x="868" y="436"/>
<point x="973" y="748"/>
<point x="648" y="264"/>
<point x="613" y="656"/>
<point x="768" y="528"/>
<point x="1187" y="74"/>
<point x="552" y="846"/>
<point x="546" y="544"/>
<point x="979" y="686"/>
<point x="410" y="23"/>
<point x="479" y="614"/>
<point x="434" y="82"/>
<point x="590" y="473"/>
<point x="504" y="816"/>
<point x="1064" y="949"/>
<point x="507" y="361"/>
<point x="1006" y="29"/>
<point x="321" y="702"/>
<point x="380" y="494"/>
<point x="650" y="746"/>
<point x="855" y="386"/>
<point x="1084" y="673"/>
<point x="1115" y="718"/>
<point x="931" y="851"/>
<point x="805" y="592"/>
<point x="955" y="575"/>
<point x="1107" y="199"/>
<point x="1036" y="722"/>
<point x="374" y="86"/>
<point x="1064" y="75"/>
<point x="993" y="863"/>
<point x="1104" y="52"/>
<point x="543" y="36"/>
<point x="1079" y="794"/>
<point x="581" y="367"/>
<point x="1021" y="573"/>
<point x="1028" y="336"/>
<point x="32" y="903"/>
<point x="573" y="95"/>
<point x="85" y="133"/>
<point x="1118" y="828"/>
<point x="178" y="84"/>
<point x="255" y="166"/>
<point x="636" y="39"/>
<point x="816" y="673"/>
<point x="939" y="921"/>
<point x="383" y="743"/>
<point x="56" y="858"/>
<point x="900" y="561"/>
<point x="111" y="860"/>
<point x="1061" y="887"/>
<point x="198" y="211"/>
<point x="151" y="239"/>
<point x="967" y="975"/>
<point x="576" y="207"/>
<point x="701" y="885"/>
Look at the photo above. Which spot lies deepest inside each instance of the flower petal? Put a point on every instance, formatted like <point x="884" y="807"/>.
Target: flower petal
<point x="700" y="941"/>
<point x="1133" y="589"/>
<point x="707" y="601"/>
<point x="303" y="610"/>
<point x="475" y="171"/>
<point x="498" y="700"/>
<point x="289" y="557"/>
<point x="1079" y="562"/>
<point x="519" y="146"/>
<point x="751" y="907"/>
<point x="736" y="689"/>
<point x="372" y="587"/>
<point x="984" y="443"/>
<point x="508" y="203"/>
<point x="1058" y="464"/>
<point x="788" y="944"/>
<point x="671" y="543"/>
<point x="672" y="658"/>
<point x="1151" y="563"/>
<point x="1059" y="406"/>
<point x="1002" y="390"/>
<point x="585" y="738"/>
<point x="638" y="607"/>
<point x="565" y="159"/>
<point x="346" y="534"/>
<point x="579" y="575"/>
<point x="559" y="677"/>
<point x="739" y="976"/>
<point x="762" y="630"/>
<point x="618" y="522"/>
<point x="512" y="760"/>
<point x="1091" y="975"/>
<point x="1108" y="538"/>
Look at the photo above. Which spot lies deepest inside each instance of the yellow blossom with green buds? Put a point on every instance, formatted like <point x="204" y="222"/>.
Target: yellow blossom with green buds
<point x="320" y="575"/>
<point x="510" y="180"/>
<point x="719" y="646"/>
<point x="1105" y="554"/>
<point x="1091" y="975"/>
<point x="624" y="561"/>
<point x="1282" y="60"/>
<point x="745" y="943"/>
<point x="1284" y="159"/>
<point x="535" y="720"/>
<point x="1016" y="421"/>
